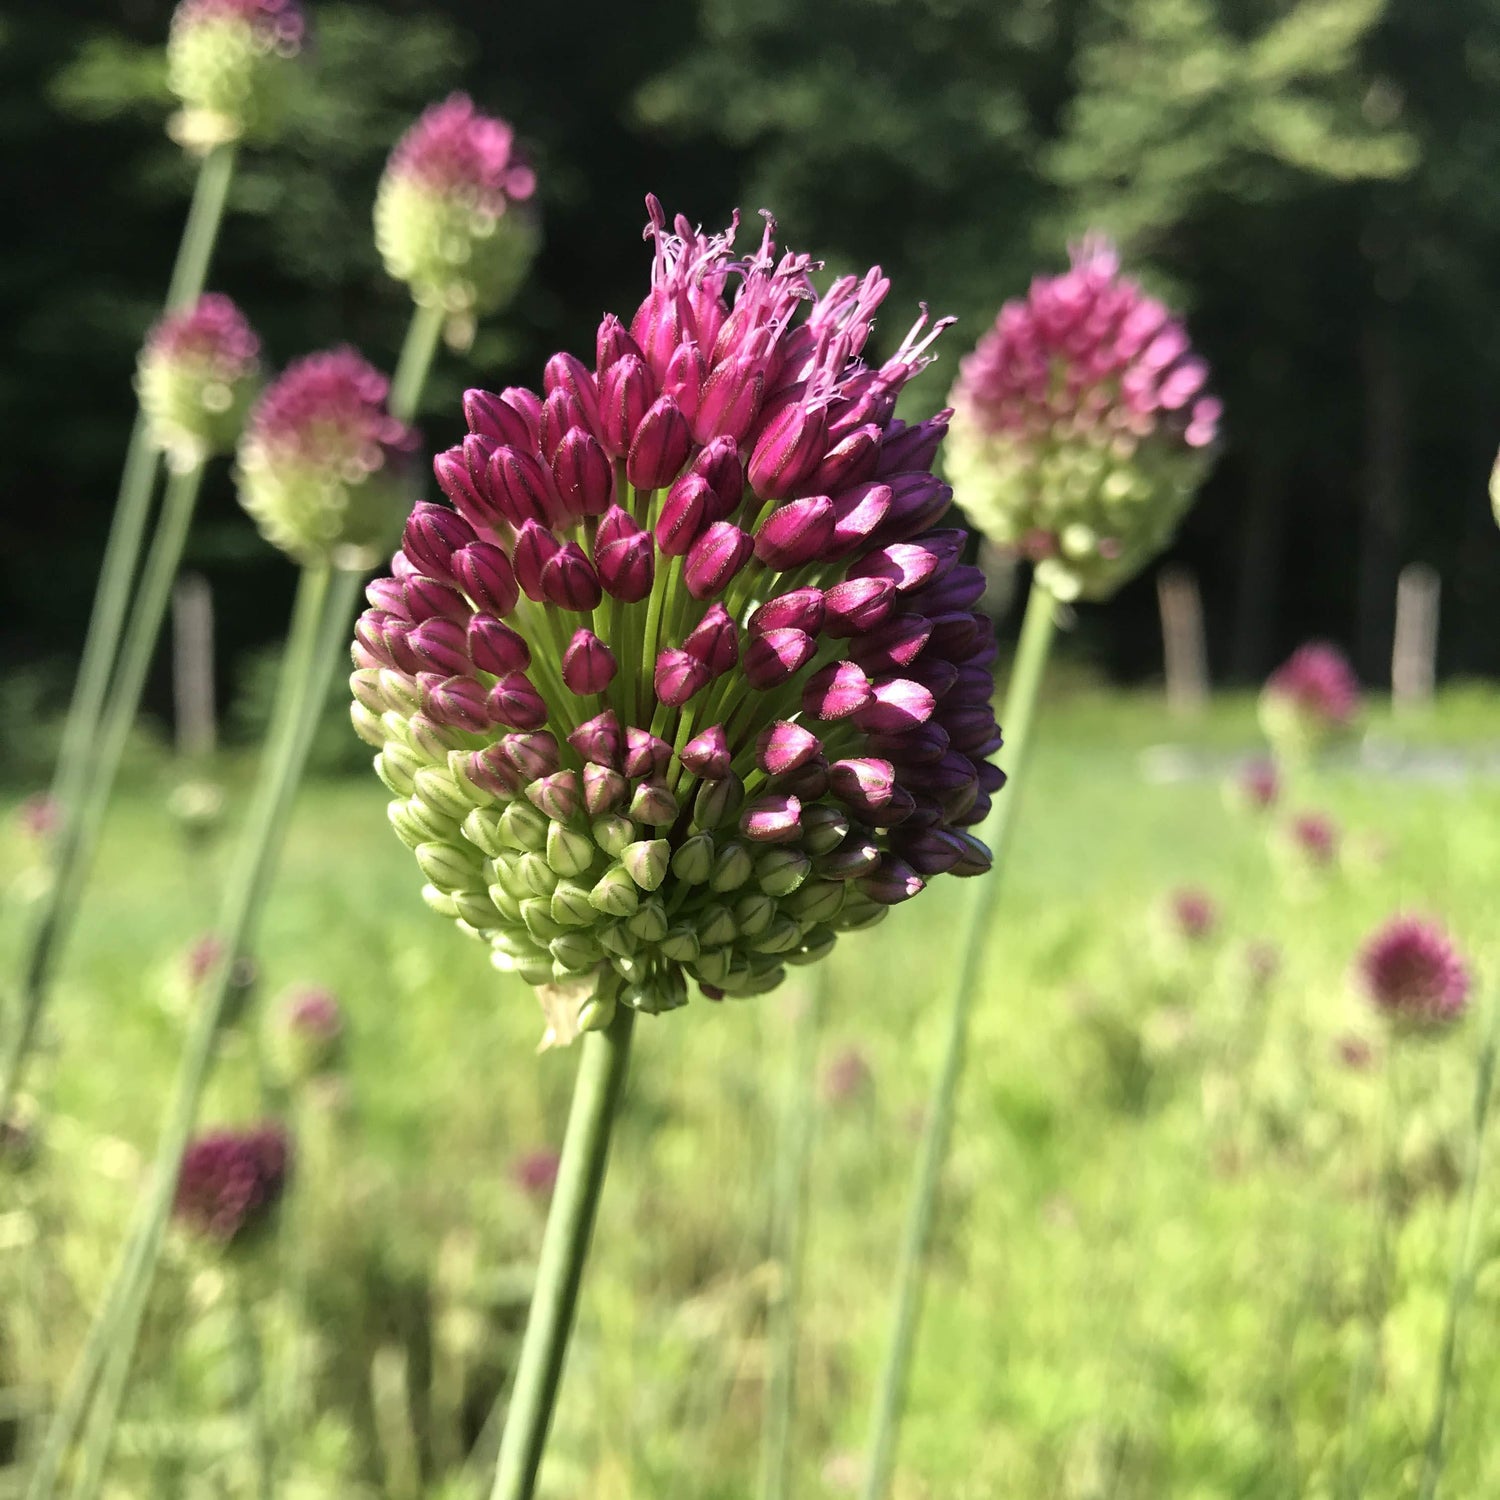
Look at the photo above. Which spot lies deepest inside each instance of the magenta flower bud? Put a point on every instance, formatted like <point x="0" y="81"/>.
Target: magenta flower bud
<point x="730" y="399"/>
<point x="893" y="882"/>
<point x="708" y="754"/>
<point x="645" y="754"/>
<point x="1414" y="975"/>
<point x="1310" y="700"/>
<point x="521" y="487"/>
<point x="603" y="789"/>
<point x="784" y="747"/>
<point x="1195" y="914"/>
<point x="660" y="446"/>
<point x="599" y="740"/>
<point x="684" y="514"/>
<point x="776" y="656"/>
<point x="557" y="796"/>
<point x="719" y="465"/>
<point x="457" y="702"/>
<point x="714" y="641"/>
<point x="715" y="558"/>
<point x="588" y="665"/>
<point x="484" y="573"/>
<point x="893" y="644"/>
<point x="851" y="461"/>
<point x="611" y="344"/>
<point x="515" y="703"/>
<point x="906" y="565"/>
<point x="858" y="514"/>
<point x="801" y="609"/>
<point x="932" y="851"/>
<point x="582" y="476"/>
<point x="683" y="381"/>
<point x="905" y="448"/>
<point x="858" y="605"/>
<point x="431" y="538"/>
<point x="796" y="534"/>
<point x="918" y="502"/>
<point x="492" y="417"/>
<point x="427" y="599"/>
<point x="566" y="373"/>
<point x="495" y="648"/>
<point x="775" y="818"/>
<point x="230" y="1181"/>
<point x="440" y="646"/>
<point x="625" y="396"/>
<point x="865" y="784"/>
<point x="624" y="557"/>
<point x="837" y="691"/>
<point x="451" y="469"/>
<point x="535" y="547"/>
<point x="788" y="451"/>
<point x="679" y="677"/>
<point x="569" y="580"/>
<point x="897" y="703"/>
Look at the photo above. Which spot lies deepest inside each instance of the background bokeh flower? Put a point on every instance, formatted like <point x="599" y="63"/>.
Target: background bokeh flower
<point x="1414" y="975"/>
<point x="230" y="1181"/>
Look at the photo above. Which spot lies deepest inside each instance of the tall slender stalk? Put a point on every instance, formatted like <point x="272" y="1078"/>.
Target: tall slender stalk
<point x="84" y="819"/>
<point x="1462" y="1283"/>
<point x="788" y="1238"/>
<point x="317" y="642"/>
<point x="1035" y="645"/>
<point x="565" y="1244"/>
<point x="133" y="506"/>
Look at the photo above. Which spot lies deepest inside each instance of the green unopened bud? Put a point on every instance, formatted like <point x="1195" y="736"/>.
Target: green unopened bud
<point x="366" y="722"/>
<point x="409" y="828"/>
<point x="441" y="793"/>
<point x="476" y="795"/>
<point x="654" y="805"/>
<point x="732" y="868"/>
<point x="620" y="941"/>
<point x="571" y="905"/>
<point x="402" y="694"/>
<point x="435" y="741"/>
<point x="449" y="866"/>
<point x="650" y="923"/>
<point x="818" y="900"/>
<point x="749" y="980"/>
<point x="778" y="872"/>
<point x="536" y="913"/>
<point x="397" y="767"/>
<point x="575" y="952"/>
<point x="569" y="853"/>
<point x="718" y="802"/>
<point x="712" y="966"/>
<point x="535" y="874"/>
<point x="860" y="912"/>
<point x="613" y="833"/>
<point x="523" y="827"/>
<point x="506" y="902"/>
<point x="1078" y="541"/>
<point x="440" y="901"/>
<point x="753" y="913"/>
<point x="615" y="894"/>
<point x="476" y="910"/>
<point x="680" y="943"/>
<point x="647" y="861"/>
<point x="596" y="1014"/>
<point x="482" y="829"/>
<point x="783" y="934"/>
<point x="694" y="861"/>
<point x="816" y="943"/>
<point x="715" y="925"/>
<point x="823" y="828"/>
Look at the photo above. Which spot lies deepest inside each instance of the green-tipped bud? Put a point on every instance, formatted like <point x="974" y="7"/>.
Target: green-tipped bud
<point x="397" y="768"/>
<point x="716" y="927"/>
<point x="614" y="834"/>
<point x="753" y="913"/>
<point x="818" y="900"/>
<point x="450" y="866"/>
<point x="482" y="829"/>
<point x="778" y="872"/>
<point x="536" y="913"/>
<point x="523" y="827"/>
<point x="781" y="936"/>
<point x="535" y="874"/>
<point x="615" y="894"/>
<point x="694" y="861"/>
<point x="569" y="853"/>
<point x="654" y="805"/>
<point x="817" y="943"/>
<point x="718" y="802"/>
<point x="576" y="952"/>
<point x="476" y="910"/>
<point x="680" y="943"/>
<point x="647" y="861"/>
<point x="650" y="923"/>
<point x="442" y="793"/>
<point x="712" y="966"/>
<point x="571" y="905"/>
<point x="620" y="941"/>
<point x="732" y="868"/>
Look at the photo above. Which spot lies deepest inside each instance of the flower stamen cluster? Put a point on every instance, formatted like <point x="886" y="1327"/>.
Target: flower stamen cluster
<point x="686" y="682"/>
<point x="1081" y="430"/>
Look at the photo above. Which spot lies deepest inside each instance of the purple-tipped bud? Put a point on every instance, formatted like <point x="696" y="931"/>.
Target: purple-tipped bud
<point x="897" y="704"/>
<point x="784" y="747"/>
<point x="796" y="534"/>
<point x="495" y="648"/>
<point x="730" y="399"/>
<point x="788" y="451"/>
<point x="514" y="702"/>
<point x="679" y="676"/>
<point x="600" y="741"/>
<point x="858" y="514"/>
<point x="569" y="580"/>
<point x="858" y="605"/>
<point x="588" y="665"/>
<point x="774" y="818"/>
<point x="684" y="515"/>
<point x="603" y="789"/>
<point x="715" y="558"/>
<point x="624" y="557"/>
<point x="708" y="754"/>
<point x="431" y="538"/>
<point x="534" y="547"/>
<point x="776" y="655"/>
<point x="660" y="446"/>
<point x="720" y="466"/>
<point x="440" y="646"/>
<point x="802" y="609"/>
<point x="582" y="476"/>
<point x="715" y="641"/>
<point x="836" y="691"/>
<point x="625" y="395"/>
<point x="645" y="754"/>
<point x="229" y="1182"/>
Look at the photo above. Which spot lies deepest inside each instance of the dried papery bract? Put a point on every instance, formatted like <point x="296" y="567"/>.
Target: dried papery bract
<point x="686" y="682"/>
<point x="198" y="372"/>
<point x="1081" y="430"/>
<point x="454" y="215"/>
<point x="228" y="64"/>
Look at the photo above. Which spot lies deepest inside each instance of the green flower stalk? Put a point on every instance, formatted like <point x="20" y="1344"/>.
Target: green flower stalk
<point x="1080" y="435"/>
<point x="198" y="370"/>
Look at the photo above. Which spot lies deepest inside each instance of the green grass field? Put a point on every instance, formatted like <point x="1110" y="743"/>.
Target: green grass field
<point x="1150" y="1273"/>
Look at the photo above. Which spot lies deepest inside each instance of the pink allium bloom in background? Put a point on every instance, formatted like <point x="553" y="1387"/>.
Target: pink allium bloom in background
<point x="1259" y="784"/>
<point x="227" y="64"/>
<point x="230" y="1180"/>
<point x="846" y="1076"/>
<point x="198" y="372"/>
<point x="1195" y="914"/>
<point x="1310" y="699"/>
<point x="1413" y="974"/>
<point x="455" y="149"/>
<point x="1315" y="838"/>
<point x="312" y="1026"/>
<point x="535" y="1171"/>
<point x="687" y="681"/>
<point x="38" y="817"/>
<point x="324" y="468"/>
<point x="280" y="23"/>
<point x="1081" y="429"/>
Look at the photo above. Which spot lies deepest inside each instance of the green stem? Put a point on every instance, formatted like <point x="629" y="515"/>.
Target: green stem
<point x="84" y="819"/>
<point x="133" y="506"/>
<point x="788" y="1241"/>
<point x="414" y="361"/>
<point x="565" y="1243"/>
<point x="1462" y="1283"/>
<point x="1020" y="709"/>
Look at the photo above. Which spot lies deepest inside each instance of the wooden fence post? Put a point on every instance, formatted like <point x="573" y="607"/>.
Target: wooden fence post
<point x="1414" y="655"/>
<point x="1184" y="647"/>
<point x="193" y="666"/>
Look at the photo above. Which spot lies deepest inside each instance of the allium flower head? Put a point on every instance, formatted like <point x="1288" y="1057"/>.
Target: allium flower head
<point x="1314" y="839"/>
<point x="1195" y="914"/>
<point x="686" y="683"/>
<point x="38" y="817"/>
<point x="324" y="468"/>
<point x="198" y="372"/>
<point x="312" y="1031"/>
<point x="1412" y="973"/>
<point x="230" y="1181"/>
<point x="227" y="62"/>
<point x="452" y="216"/>
<point x="1310" y="700"/>
<point x="1080" y="430"/>
<point x="1256" y="786"/>
<point x="535" y="1171"/>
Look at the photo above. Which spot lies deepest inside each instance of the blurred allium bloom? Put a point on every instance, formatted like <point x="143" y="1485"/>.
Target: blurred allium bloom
<point x="1195" y="914"/>
<point x="686" y="683"/>
<point x="846" y="1076"/>
<point x="312" y="1027"/>
<point x="535" y="1172"/>
<point x="452" y="215"/>
<point x="231" y="1180"/>
<point x="1414" y="975"/>
<point x="1310" y="699"/>
<point x="198" y="372"/>
<point x="324" y="469"/>
<point x="1257" y="786"/>
<point x="1080" y="428"/>
<point x="227" y="64"/>
<point x="38" y="817"/>
<point x="1314" y="837"/>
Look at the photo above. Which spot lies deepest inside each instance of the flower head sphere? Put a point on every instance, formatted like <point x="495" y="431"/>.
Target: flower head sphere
<point x="1414" y="975"/>
<point x="686" y="682"/>
<point x="324" y="469"/>
<point x="1194" y="913"/>
<point x="230" y="1181"/>
<point x="198" y="372"/>
<point x="1080" y="428"/>
<point x="228" y="64"/>
<point x="1314" y="839"/>
<point x="453" y="213"/>
<point x="1310" y="700"/>
<point x="312" y="1031"/>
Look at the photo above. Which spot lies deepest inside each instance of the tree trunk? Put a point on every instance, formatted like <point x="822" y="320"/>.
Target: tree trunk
<point x="1260" y="558"/>
<point x="1383" y="483"/>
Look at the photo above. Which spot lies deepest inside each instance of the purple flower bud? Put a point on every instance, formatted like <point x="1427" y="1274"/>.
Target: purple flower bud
<point x="603" y="789"/>
<point x="431" y="538"/>
<point x="784" y="747"/>
<point x="625" y="395"/>
<point x="645" y="754"/>
<point x="772" y="819"/>
<point x="535" y="546"/>
<point x="660" y="446"/>
<point x="714" y="641"/>
<point x="893" y="644"/>
<point x="556" y="796"/>
<point x="774" y="656"/>
<point x="905" y="448"/>
<point x="522" y="488"/>
<point x="484" y="573"/>
<point x="440" y="646"/>
<point x="836" y="691"/>
<point x="801" y="609"/>
<point x="715" y="558"/>
<point x="229" y="1181"/>
<point x="458" y="702"/>
<point x="683" y="381"/>
<point x="708" y="754"/>
<point x="624" y="557"/>
<point x="599" y="740"/>
<point x="427" y="599"/>
<point x="720" y="466"/>
<point x="897" y="704"/>
<point x="582" y="476"/>
<point x="456" y="481"/>
<point x="569" y="581"/>
<point x="514" y="702"/>
<point x="684" y="514"/>
<point x="679" y="676"/>
<point x="858" y="514"/>
<point x="908" y="565"/>
<point x="851" y="461"/>
<point x="790" y="448"/>
<point x="858" y="605"/>
<point x="565" y="372"/>
<point x="588" y="665"/>
<point x="959" y="589"/>
<point x="730" y="400"/>
<point x="893" y="882"/>
<point x="795" y="534"/>
<point x="932" y="851"/>
<point x="491" y="417"/>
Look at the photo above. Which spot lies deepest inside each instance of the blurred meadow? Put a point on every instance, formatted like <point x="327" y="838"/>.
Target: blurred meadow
<point x="1148" y="1273"/>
